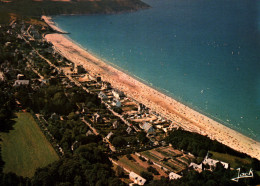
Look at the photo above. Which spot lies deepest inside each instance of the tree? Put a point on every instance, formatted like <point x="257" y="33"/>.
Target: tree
<point x="119" y="171"/>
<point x="119" y="141"/>
<point x="73" y="116"/>
<point x="146" y="175"/>
<point x="255" y="164"/>
<point x="142" y="137"/>
<point x="152" y="170"/>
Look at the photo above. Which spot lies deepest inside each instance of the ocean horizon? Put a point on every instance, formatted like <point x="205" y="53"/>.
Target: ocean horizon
<point x="202" y="53"/>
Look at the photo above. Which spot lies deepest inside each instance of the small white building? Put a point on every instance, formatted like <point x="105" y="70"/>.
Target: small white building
<point x="115" y="124"/>
<point x="89" y="132"/>
<point x="20" y="77"/>
<point x="116" y="103"/>
<point x="129" y="130"/>
<point x="212" y="163"/>
<point x="136" y="178"/>
<point x="97" y="118"/>
<point x="196" y="167"/>
<point x="21" y="82"/>
<point x="2" y="76"/>
<point x="102" y="95"/>
<point x="110" y="134"/>
<point x="174" y="176"/>
<point x="147" y="127"/>
<point x="106" y="85"/>
<point x="117" y="93"/>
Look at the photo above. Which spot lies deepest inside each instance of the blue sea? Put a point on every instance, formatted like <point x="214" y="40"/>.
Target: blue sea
<point x="204" y="53"/>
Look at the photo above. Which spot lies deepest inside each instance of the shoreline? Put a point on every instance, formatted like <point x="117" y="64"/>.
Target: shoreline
<point x="48" y="21"/>
<point x="166" y="106"/>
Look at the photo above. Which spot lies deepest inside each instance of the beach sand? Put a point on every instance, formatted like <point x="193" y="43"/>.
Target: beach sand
<point x="177" y="112"/>
<point x="49" y="21"/>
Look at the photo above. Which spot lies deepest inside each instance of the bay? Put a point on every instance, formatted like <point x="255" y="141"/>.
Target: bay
<point x="204" y="53"/>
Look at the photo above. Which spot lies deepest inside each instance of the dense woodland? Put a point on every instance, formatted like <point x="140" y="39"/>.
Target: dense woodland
<point x="197" y="144"/>
<point x="48" y="7"/>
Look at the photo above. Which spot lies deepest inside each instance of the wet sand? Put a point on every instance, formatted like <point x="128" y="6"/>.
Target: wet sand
<point x="177" y="112"/>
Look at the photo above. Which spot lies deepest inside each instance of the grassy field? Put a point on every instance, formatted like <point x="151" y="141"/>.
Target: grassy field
<point x="25" y="148"/>
<point x="234" y="161"/>
<point x="138" y="166"/>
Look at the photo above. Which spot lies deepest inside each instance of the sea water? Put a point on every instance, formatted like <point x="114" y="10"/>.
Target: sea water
<point x="204" y="53"/>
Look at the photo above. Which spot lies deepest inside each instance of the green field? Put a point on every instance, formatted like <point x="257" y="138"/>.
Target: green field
<point x="132" y="165"/>
<point x="234" y="161"/>
<point x="25" y="148"/>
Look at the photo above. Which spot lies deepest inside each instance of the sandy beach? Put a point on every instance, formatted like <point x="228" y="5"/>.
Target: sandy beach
<point x="49" y="21"/>
<point x="180" y="114"/>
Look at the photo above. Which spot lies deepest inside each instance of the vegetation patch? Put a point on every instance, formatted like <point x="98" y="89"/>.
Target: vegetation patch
<point x="234" y="161"/>
<point x="29" y="8"/>
<point x="132" y="165"/>
<point x="25" y="148"/>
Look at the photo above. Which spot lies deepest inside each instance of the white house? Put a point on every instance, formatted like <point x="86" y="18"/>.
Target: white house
<point x="147" y="127"/>
<point x="106" y="85"/>
<point x="174" y="176"/>
<point x="21" y="82"/>
<point x="109" y="135"/>
<point x="115" y="124"/>
<point x="136" y="178"/>
<point x="212" y="163"/>
<point x="129" y="130"/>
<point x="20" y="77"/>
<point x="117" y="103"/>
<point x="117" y="93"/>
<point x="196" y="167"/>
<point x="102" y="95"/>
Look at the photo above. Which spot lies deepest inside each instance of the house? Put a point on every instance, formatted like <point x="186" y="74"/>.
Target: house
<point x="117" y="93"/>
<point x="74" y="145"/>
<point x="136" y="178"/>
<point x="2" y="76"/>
<point x="106" y="85"/>
<point x="115" y="124"/>
<point x="147" y="127"/>
<point x="102" y="95"/>
<point x="97" y="118"/>
<point x="54" y="116"/>
<point x="20" y="77"/>
<point x="116" y="103"/>
<point x="174" y="176"/>
<point x="45" y="81"/>
<point x="196" y="167"/>
<point x="84" y="109"/>
<point x="212" y="163"/>
<point x="21" y="82"/>
<point x="89" y="132"/>
<point x="141" y="107"/>
<point x="91" y="78"/>
<point x="23" y="28"/>
<point x="110" y="134"/>
<point x="129" y="130"/>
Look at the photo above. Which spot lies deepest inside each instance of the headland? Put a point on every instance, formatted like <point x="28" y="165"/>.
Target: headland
<point x="173" y="110"/>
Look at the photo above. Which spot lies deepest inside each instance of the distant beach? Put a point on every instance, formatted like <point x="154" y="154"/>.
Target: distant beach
<point x="175" y="111"/>
<point x="49" y="21"/>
